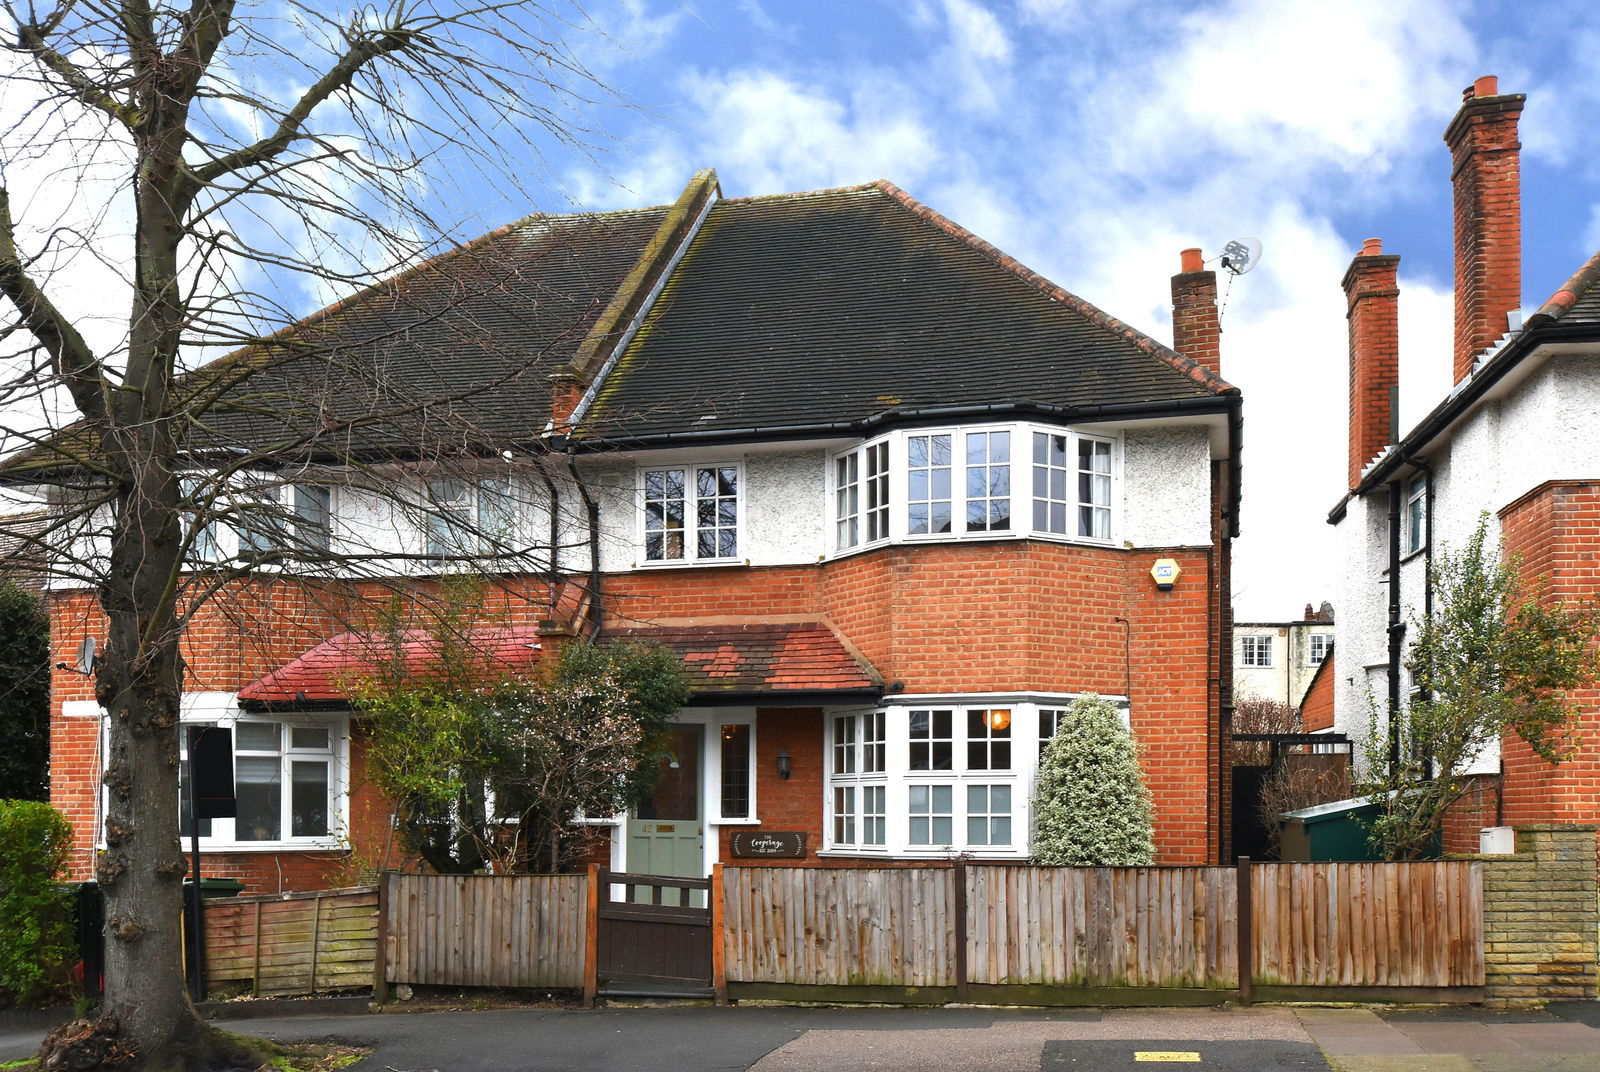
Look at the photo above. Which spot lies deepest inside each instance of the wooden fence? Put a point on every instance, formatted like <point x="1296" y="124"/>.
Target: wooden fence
<point x="962" y="931"/>
<point x="292" y="943"/>
<point x="486" y="930"/>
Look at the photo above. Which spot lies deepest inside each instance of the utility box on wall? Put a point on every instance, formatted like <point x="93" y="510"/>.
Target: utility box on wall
<point x="1497" y="841"/>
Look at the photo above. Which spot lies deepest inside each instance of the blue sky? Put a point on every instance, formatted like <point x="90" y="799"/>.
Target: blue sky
<point x="1091" y="139"/>
<point x="1095" y="140"/>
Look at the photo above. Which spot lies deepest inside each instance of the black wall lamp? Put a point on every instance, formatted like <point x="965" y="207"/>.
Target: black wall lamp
<point x="785" y="764"/>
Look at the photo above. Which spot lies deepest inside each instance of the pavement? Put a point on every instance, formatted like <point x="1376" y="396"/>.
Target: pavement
<point x="771" y="1038"/>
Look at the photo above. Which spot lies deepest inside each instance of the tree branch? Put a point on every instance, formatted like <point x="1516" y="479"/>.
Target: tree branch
<point x="364" y="47"/>
<point x="54" y="330"/>
<point x="34" y="39"/>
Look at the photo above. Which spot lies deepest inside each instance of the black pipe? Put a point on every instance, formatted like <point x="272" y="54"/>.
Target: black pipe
<point x="1397" y="628"/>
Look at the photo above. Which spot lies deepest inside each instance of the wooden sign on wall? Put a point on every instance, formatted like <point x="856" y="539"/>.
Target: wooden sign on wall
<point x="769" y="844"/>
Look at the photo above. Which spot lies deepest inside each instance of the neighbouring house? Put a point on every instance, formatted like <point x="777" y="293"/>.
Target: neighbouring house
<point x="1277" y="660"/>
<point x="1514" y="437"/>
<point x="893" y="498"/>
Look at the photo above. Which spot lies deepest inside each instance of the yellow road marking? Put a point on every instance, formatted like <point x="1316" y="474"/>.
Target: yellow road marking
<point x="1185" y="1056"/>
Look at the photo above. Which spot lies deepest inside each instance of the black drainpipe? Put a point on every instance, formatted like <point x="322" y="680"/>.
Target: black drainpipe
<point x="1397" y="628"/>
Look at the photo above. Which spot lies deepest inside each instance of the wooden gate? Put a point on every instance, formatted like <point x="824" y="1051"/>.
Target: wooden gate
<point x="650" y="941"/>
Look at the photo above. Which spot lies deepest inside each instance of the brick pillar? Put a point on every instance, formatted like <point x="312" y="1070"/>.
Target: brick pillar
<point x="1540" y="917"/>
<point x="1486" y="173"/>
<point x="1372" y="303"/>
<point x="1196" y="325"/>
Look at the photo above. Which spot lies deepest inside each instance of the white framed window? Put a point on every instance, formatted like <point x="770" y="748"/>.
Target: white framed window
<point x="1255" y="651"/>
<point x="468" y="517"/>
<point x="1317" y="648"/>
<point x="286" y="521"/>
<point x="955" y="774"/>
<point x="691" y="513"/>
<point x="961" y="483"/>
<point x="289" y="777"/>
<point x="737" y="760"/>
<point x="1416" y="513"/>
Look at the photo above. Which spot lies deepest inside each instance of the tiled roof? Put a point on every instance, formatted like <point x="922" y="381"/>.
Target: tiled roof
<point x="845" y="306"/>
<point x="323" y="673"/>
<point x="1578" y="300"/>
<point x="453" y="355"/>
<point x="760" y="657"/>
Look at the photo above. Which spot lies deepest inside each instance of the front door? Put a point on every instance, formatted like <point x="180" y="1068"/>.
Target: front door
<point x="666" y="836"/>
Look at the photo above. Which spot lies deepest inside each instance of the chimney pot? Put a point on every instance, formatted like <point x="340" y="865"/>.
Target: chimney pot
<point x="1487" y="86"/>
<point x="1372" y="247"/>
<point x="1193" y="261"/>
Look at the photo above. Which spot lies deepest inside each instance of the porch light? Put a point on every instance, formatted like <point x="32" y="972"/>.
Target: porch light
<point x="1000" y="719"/>
<point x="785" y="765"/>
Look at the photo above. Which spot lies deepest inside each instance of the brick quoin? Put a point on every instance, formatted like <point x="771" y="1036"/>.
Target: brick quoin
<point x="1555" y="528"/>
<point x="1000" y="616"/>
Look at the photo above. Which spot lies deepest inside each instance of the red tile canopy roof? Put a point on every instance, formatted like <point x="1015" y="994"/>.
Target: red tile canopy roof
<point x="760" y="657"/>
<point x="322" y="673"/>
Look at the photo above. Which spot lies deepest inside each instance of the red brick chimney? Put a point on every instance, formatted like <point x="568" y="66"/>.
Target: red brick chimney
<point x="1372" y="301"/>
<point x="1196" y="327"/>
<point x="1487" y="176"/>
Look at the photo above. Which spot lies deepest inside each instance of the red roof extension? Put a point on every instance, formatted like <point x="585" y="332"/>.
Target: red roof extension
<point x="760" y="657"/>
<point x="321" y="673"/>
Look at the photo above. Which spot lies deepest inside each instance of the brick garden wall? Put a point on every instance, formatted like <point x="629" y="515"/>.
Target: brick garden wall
<point x="1540" y="917"/>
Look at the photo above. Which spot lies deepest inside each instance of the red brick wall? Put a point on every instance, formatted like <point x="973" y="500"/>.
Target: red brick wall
<point x="1555" y="528"/>
<point x="1316" y="709"/>
<point x="1477" y="808"/>
<point x="795" y="804"/>
<point x="1013" y="615"/>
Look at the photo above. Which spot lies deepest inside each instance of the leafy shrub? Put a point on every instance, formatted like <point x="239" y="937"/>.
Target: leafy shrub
<point x="36" y="941"/>
<point x="1090" y="806"/>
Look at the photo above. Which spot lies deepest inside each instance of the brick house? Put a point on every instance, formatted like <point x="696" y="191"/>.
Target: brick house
<point x="1514" y="437"/>
<point x="892" y="497"/>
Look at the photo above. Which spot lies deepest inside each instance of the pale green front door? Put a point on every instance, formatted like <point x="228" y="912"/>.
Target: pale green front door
<point x="666" y="836"/>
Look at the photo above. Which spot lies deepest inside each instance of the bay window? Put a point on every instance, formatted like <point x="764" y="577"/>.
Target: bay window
<point x="968" y="482"/>
<point x="931" y="779"/>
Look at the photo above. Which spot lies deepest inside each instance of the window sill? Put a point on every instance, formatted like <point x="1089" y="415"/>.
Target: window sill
<point x="698" y="563"/>
<point x="979" y="855"/>
<point x="303" y="845"/>
<point x="733" y="822"/>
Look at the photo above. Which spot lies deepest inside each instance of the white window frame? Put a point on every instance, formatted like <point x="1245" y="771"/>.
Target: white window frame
<point x="1416" y="515"/>
<point x="691" y="510"/>
<point x="482" y="519"/>
<point x="1256" y="652"/>
<point x="1317" y="647"/>
<point x="853" y="526"/>
<point x="220" y="709"/>
<point x="287" y="530"/>
<point x="1028" y="714"/>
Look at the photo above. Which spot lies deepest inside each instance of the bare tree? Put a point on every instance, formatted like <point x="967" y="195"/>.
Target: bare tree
<point x="203" y="167"/>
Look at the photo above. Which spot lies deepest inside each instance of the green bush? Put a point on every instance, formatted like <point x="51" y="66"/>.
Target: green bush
<point x="37" y="947"/>
<point x="1090" y="806"/>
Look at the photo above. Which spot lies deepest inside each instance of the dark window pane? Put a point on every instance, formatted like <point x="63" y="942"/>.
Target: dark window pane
<point x="727" y="544"/>
<point x="940" y="521"/>
<point x="706" y="544"/>
<point x="736" y="770"/>
<point x="309" y="802"/>
<point x="943" y="755"/>
<point x="1000" y="756"/>
<point x="258" y="785"/>
<point x="308" y="737"/>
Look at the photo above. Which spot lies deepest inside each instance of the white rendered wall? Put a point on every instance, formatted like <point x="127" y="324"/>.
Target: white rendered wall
<point x="1167" y="488"/>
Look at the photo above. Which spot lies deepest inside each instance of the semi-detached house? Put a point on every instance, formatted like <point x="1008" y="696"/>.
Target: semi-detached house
<point x="892" y="497"/>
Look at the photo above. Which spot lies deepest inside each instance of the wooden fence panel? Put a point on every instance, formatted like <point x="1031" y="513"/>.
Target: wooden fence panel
<point x="1152" y="926"/>
<point x="857" y="927"/>
<point x="487" y="930"/>
<point x="294" y="943"/>
<point x="1369" y="924"/>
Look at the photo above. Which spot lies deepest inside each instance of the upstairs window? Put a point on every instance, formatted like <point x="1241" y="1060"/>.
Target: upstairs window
<point x="1255" y="651"/>
<point x="286" y="521"/>
<point x="958" y="483"/>
<point x="469" y="517"/>
<point x="1416" y="514"/>
<point x="1318" y="648"/>
<point x="691" y="513"/>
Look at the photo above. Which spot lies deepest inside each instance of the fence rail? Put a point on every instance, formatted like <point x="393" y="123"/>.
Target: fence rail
<point x="293" y="943"/>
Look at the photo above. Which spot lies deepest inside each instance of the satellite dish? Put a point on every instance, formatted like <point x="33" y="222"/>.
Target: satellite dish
<point x="86" y="655"/>
<point x="1241" y="254"/>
